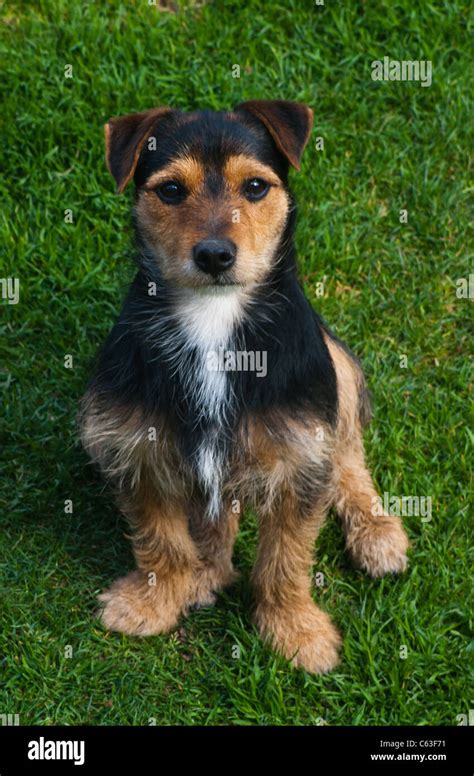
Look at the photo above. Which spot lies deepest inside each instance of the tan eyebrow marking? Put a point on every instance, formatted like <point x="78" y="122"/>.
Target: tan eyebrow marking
<point x="186" y="170"/>
<point x="241" y="167"/>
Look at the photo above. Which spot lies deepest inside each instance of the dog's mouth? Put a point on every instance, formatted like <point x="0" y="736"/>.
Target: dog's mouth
<point x="223" y="282"/>
<point x="219" y="285"/>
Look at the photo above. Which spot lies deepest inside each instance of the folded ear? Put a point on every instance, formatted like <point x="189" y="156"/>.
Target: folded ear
<point x="125" y="137"/>
<point x="289" y="123"/>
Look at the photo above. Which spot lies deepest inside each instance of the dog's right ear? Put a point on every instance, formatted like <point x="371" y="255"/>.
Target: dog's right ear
<point x="125" y="137"/>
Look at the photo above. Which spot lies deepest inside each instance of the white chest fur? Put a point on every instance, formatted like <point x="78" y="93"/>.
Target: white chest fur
<point x="207" y="319"/>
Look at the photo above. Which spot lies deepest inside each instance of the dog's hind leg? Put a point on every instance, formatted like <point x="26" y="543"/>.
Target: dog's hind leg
<point x="376" y="540"/>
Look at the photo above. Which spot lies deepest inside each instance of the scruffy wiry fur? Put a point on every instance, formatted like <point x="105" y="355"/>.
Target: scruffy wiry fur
<point x="185" y="447"/>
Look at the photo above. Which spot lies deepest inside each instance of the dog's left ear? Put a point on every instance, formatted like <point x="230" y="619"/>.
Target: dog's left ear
<point x="289" y="123"/>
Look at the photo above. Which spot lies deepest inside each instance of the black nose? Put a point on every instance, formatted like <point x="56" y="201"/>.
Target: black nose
<point x="214" y="256"/>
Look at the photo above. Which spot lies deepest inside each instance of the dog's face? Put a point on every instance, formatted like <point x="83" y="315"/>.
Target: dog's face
<point x="212" y="198"/>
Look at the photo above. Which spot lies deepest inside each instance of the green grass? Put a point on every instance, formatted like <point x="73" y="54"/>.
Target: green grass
<point x="390" y="289"/>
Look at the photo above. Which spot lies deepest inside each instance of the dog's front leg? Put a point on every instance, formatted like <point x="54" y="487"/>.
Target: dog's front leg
<point x="150" y="599"/>
<point x="286" y="614"/>
<point x="215" y="542"/>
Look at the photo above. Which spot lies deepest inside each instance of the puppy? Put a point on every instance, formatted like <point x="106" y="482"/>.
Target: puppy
<point x="183" y="427"/>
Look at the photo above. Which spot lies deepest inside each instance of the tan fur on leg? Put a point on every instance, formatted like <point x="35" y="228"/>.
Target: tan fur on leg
<point x="151" y="599"/>
<point x="215" y="543"/>
<point x="377" y="543"/>
<point x="286" y="614"/>
<point x="176" y="570"/>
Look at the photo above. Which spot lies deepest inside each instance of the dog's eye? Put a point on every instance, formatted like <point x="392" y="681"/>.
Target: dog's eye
<point x="255" y="189"/>
<point x="171" y="192"/>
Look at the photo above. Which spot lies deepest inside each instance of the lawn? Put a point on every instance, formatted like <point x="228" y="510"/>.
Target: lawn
<point x="389" y="288"/>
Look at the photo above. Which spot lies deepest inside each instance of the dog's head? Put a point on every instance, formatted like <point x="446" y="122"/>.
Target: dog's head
<point x="212" y="198"/>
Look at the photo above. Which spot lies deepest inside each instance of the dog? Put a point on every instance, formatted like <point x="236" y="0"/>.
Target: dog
<point x="186" y="440"/>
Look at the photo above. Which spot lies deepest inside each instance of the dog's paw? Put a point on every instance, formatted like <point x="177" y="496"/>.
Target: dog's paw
<point x="309" y="640"/>
<point x="379" y="546"/>
<point x="320" y="653"/>
<point x="133" y="606"/>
